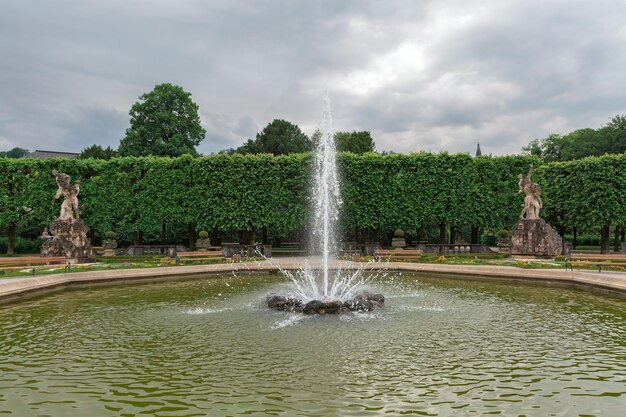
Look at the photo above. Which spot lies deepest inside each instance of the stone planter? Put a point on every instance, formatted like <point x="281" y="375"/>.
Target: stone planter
<point x="398" y="242"/>
<point x="504" y="245"/>
<point x="109" y="247"/>
<point x="203" y="244"/>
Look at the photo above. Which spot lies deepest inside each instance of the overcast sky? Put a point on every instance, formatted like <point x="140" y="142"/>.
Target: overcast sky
<point x="420" y="75"/>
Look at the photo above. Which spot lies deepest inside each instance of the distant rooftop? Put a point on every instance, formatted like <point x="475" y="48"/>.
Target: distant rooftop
<point x="41" y="154"/>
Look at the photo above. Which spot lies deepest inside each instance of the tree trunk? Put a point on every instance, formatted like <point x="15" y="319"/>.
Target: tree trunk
<point x="192" y="237"/>
<point x="164" y="233"/>
<point x="420" y="233"/>
<point x="11" y="241"/>
<point x="623" y="239"/>
<point x="453" y="233"/>
<point x="560" y="230"/>
<point x="247" y="237"/>
<point x="93" y="238"/>
<point x="264" y="236"/>
<point x="138" y="238"/>
<point x="474" y="237"/>
<point x="442" y="233"/>
<point x="605" y="238"/>
<point x="215" y="237"/>
<point x="616" y="245"/>
<point x="574" y="237"/>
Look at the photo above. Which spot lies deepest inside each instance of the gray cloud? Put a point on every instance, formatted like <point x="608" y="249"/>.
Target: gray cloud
<point x="428" y="75"/>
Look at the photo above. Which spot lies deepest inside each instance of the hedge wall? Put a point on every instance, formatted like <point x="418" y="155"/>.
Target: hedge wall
<point x="264" y="192"/>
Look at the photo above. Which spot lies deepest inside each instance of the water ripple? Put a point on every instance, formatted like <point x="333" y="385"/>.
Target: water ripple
<point x="209" y="347"/>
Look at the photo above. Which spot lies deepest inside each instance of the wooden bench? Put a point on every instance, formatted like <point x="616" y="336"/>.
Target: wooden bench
<point x="398" y="254"/>
<point x="289" y="248"/>
<point x="209" y="255"/>
<point x="23" y="262"/>
<point x="595" y="259"/>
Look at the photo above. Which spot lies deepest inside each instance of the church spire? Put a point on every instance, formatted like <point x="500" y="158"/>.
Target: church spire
<point x="478" y="152"/>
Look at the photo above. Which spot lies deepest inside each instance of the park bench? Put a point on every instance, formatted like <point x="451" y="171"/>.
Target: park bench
<point x="350" y="248"/>
<point x="398" y="254"/>
<point x="23" y="262"/>
<point x="289" y="248"/>
<point x="214" y="253"/>
<point x="595" y="259"/>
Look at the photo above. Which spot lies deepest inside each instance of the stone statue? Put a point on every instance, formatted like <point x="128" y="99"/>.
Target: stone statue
<point x="532" y="236"/>
<point x="532" y="202"/>
<point x="69" y="207"/>
<point x="69" y="233"/>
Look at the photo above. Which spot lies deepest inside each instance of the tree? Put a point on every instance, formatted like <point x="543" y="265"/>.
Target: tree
<point x="164" y="122"/>
<point x="97" y="152"/>
<point x="355" y="142"/>
<point x="14" y="153"/>
<point x="614" y="133"/>
<point x="279" y="137"/>
<point x="581" y="143"/>
<point x="23" y="197"/>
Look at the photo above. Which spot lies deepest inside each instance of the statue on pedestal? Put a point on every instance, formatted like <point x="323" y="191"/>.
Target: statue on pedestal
<point x="532" y="202"/>
<point x="532" y="236"/>
<point x="69" y="233"/>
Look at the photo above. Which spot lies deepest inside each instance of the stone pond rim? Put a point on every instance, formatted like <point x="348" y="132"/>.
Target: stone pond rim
<point x="362" y="302"/>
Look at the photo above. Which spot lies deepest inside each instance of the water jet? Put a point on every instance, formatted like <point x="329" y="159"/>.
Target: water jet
<point x="317" y="291"/>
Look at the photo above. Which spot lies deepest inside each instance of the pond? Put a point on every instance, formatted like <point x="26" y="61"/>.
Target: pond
<point x="210" y="347"/>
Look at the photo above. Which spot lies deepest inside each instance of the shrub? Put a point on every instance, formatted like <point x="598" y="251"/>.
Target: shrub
<point x="21" y="245"/>
<point x="585" y="239"/>
<point x="488" y="238"/>
<point x="399" y="233"/>
<point x="203" y="234"/>
<point x="110" y="235"/>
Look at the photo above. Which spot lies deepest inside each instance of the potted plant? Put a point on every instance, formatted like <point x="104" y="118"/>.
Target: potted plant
<point x="203" y="242"/>
<point x="109" y="244"/>
<point x="398" y="241"/>
<point x="504" y="241"/>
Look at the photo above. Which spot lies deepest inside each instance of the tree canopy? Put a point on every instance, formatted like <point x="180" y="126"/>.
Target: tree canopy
<point x="164" y="122"/>
<point x="609" y="139"/>
<point x="355" y="142"/>
<point x="14" y="153"/>
<point x="98" y="152"/>
<point x="279" y="137"/>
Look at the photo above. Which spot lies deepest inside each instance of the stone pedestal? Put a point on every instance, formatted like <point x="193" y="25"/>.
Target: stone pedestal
<point x="203" y="244"/>
<point x="504" y="246"/>
<point x="398" y="242"/>
<point x="109" y="246"/>
<point x="68" y="238"/>
<point x="535" y="238"/>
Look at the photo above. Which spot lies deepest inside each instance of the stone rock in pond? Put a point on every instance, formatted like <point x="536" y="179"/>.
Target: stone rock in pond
<point x="314" y="307"/>
<point x="359" y="304"/>
<point x="364" y="301"/>
<point x="377" y="299"/>
<point x="333" y="307"/>
<point x="284" y="303"/>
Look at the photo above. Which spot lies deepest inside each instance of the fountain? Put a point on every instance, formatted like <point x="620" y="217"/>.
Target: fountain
<point x="342" y="291"/>
<point x="206" y="346"/>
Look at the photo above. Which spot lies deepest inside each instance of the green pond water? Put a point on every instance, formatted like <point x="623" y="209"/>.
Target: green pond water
<point x="210" y="347"/>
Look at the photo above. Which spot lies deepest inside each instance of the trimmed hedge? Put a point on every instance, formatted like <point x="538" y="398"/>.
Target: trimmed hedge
<point x="253" y="192"/>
